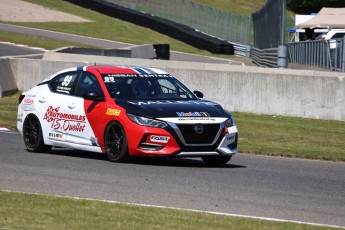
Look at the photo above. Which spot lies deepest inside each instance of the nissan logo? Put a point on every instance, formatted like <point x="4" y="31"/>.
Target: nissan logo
<point x="198" y="129"/>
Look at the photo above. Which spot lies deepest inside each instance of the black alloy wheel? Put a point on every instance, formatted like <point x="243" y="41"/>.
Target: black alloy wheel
<point x="33" y="136"/>
<point x="115" y="142"/>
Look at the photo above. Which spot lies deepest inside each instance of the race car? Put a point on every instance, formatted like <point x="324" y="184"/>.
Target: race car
<point x="123" y="112"/>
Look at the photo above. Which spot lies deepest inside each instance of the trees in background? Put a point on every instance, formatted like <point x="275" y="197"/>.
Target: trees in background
<point x="312" y="6"/>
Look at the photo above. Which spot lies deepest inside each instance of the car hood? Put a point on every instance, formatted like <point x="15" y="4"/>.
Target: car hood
<point x="172" y="108"/>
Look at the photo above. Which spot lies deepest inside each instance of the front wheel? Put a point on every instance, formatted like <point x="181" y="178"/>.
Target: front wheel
<point x="216" y="160"/>
<point x="33" y="136"/>
<point x="115" y="142"/>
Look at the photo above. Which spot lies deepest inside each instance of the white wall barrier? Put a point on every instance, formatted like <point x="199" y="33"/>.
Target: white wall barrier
<point x="300" y="93"/>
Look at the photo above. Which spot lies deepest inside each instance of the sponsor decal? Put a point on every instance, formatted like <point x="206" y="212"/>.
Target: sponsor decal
<point x="55" y="135"/>
<point x="193" y="102"/>
<point x="159" y="139"/>
<point x="67" y="80"/>
<point x="192" y="114"/>
<point x="197" y="119"/>
<point x="20" y="117"/>
<point x="64" y="121"/>
<point x="28" y="101"/>
<point x="63" y="88"/>
<point x="194" y="120"/>
<point x="111" y="77"/>
<point x="94" y="141"/>
<point x="27" y="107"/>
<point x="113" y="112"/>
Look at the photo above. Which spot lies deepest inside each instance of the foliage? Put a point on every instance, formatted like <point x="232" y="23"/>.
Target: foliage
<point x="312" y="6"/>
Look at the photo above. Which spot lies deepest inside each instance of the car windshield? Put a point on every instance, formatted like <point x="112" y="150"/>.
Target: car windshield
<point x="146" y="87"/>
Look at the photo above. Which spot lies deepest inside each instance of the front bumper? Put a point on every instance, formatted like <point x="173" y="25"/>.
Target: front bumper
<point x="160" y="142"/>
<point x="226" y="147"/>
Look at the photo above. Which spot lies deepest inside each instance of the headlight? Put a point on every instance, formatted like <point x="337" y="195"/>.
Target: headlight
<point x="146" y="121"/>
<point x="230" y="122"/>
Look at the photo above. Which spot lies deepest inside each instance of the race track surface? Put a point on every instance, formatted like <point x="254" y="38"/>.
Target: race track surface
<point x="274" y="187"/>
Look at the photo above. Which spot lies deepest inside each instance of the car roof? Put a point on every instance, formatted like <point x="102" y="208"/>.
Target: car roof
<point x="125" y="70"/>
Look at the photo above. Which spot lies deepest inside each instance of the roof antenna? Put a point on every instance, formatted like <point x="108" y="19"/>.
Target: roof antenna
<point x="95" y="64"/>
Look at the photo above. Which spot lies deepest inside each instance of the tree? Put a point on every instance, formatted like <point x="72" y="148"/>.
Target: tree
<point x="312" y="6"/>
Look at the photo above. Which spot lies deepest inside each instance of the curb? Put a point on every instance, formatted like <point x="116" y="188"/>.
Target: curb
<point x="3" y="129"/>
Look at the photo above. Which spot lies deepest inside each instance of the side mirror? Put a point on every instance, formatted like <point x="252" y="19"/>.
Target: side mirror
<point x="94" y="96"/>
<point x="198" y="94"/>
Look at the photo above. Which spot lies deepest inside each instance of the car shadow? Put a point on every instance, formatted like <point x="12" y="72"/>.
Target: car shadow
<point x="78" y="154"/>
<point x="180" y="162"/>
<point x="149" y="161"/>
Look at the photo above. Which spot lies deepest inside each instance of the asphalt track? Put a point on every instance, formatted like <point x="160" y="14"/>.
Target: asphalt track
<point x="272" y="187"/>
<point x="9" y="49"/>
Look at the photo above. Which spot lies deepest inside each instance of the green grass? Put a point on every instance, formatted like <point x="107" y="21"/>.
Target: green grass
<point x="291" y="136"/>
<point x="27" y="211"/>
<point x="236" y="6"/>
<point x="34" y="41"/>
<point x="8" y="108"/>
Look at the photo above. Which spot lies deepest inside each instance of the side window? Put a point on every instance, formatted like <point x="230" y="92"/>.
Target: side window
<point x="87" y="83"/>
<point x="339" y="35"/>
<point x="167" y="87"/>
<point x="63" y="83"/>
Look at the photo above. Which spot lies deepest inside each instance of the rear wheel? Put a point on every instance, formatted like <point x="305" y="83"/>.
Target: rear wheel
<point x="33" y="136"/>
<point x="216" y="160"/>
<point x="115" y="142"/>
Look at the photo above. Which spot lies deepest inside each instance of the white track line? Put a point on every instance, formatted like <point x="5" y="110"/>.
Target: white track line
<point x="186" y="209"/>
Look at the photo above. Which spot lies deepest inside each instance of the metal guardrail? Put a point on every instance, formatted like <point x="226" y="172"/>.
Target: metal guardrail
<point x="327" y="54"/>
<point x="265" y="57"/>
<point x="241" y="50"/>
<point x="226" y="25"/>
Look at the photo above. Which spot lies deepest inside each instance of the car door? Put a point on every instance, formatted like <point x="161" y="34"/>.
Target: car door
<point x="52" y="105"/>
<point x="78" y="128"/>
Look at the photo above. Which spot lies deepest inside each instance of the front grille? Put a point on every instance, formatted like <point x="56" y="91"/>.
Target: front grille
<point x="206" y="137"/>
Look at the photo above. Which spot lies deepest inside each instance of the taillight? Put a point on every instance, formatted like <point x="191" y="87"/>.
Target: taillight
<point x="20" y="99"/>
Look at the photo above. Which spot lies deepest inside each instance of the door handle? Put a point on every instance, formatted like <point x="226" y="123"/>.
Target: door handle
<point x="71" y="106"/>
<point x="42" y="100"/>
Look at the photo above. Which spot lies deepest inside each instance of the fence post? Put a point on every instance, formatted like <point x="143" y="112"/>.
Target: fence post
<point x="282" y="56"/>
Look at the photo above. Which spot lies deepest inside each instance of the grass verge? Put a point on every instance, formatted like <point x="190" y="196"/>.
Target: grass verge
<point x="291" y="136"/>
<point x="35" y="41"/>
<point x="28" y="211"/>
<point x="8" y="108"/>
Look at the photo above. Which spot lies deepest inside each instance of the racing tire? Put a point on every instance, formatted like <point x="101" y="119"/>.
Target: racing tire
<point x="115" y="142"/>
<point x="33" y="135"/>
<point x="216" y="160"/>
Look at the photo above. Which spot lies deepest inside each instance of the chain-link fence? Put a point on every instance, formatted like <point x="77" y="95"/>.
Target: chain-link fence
<point x="219" y="23"/>
<point x="269" y="33"/>
<point x="269" y="24"/>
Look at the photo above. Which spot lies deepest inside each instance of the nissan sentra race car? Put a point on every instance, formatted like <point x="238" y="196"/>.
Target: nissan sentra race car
<point x="123" y="112"/>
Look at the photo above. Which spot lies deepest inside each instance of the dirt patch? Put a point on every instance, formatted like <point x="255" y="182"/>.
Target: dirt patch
<point x="21" y="11"/>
